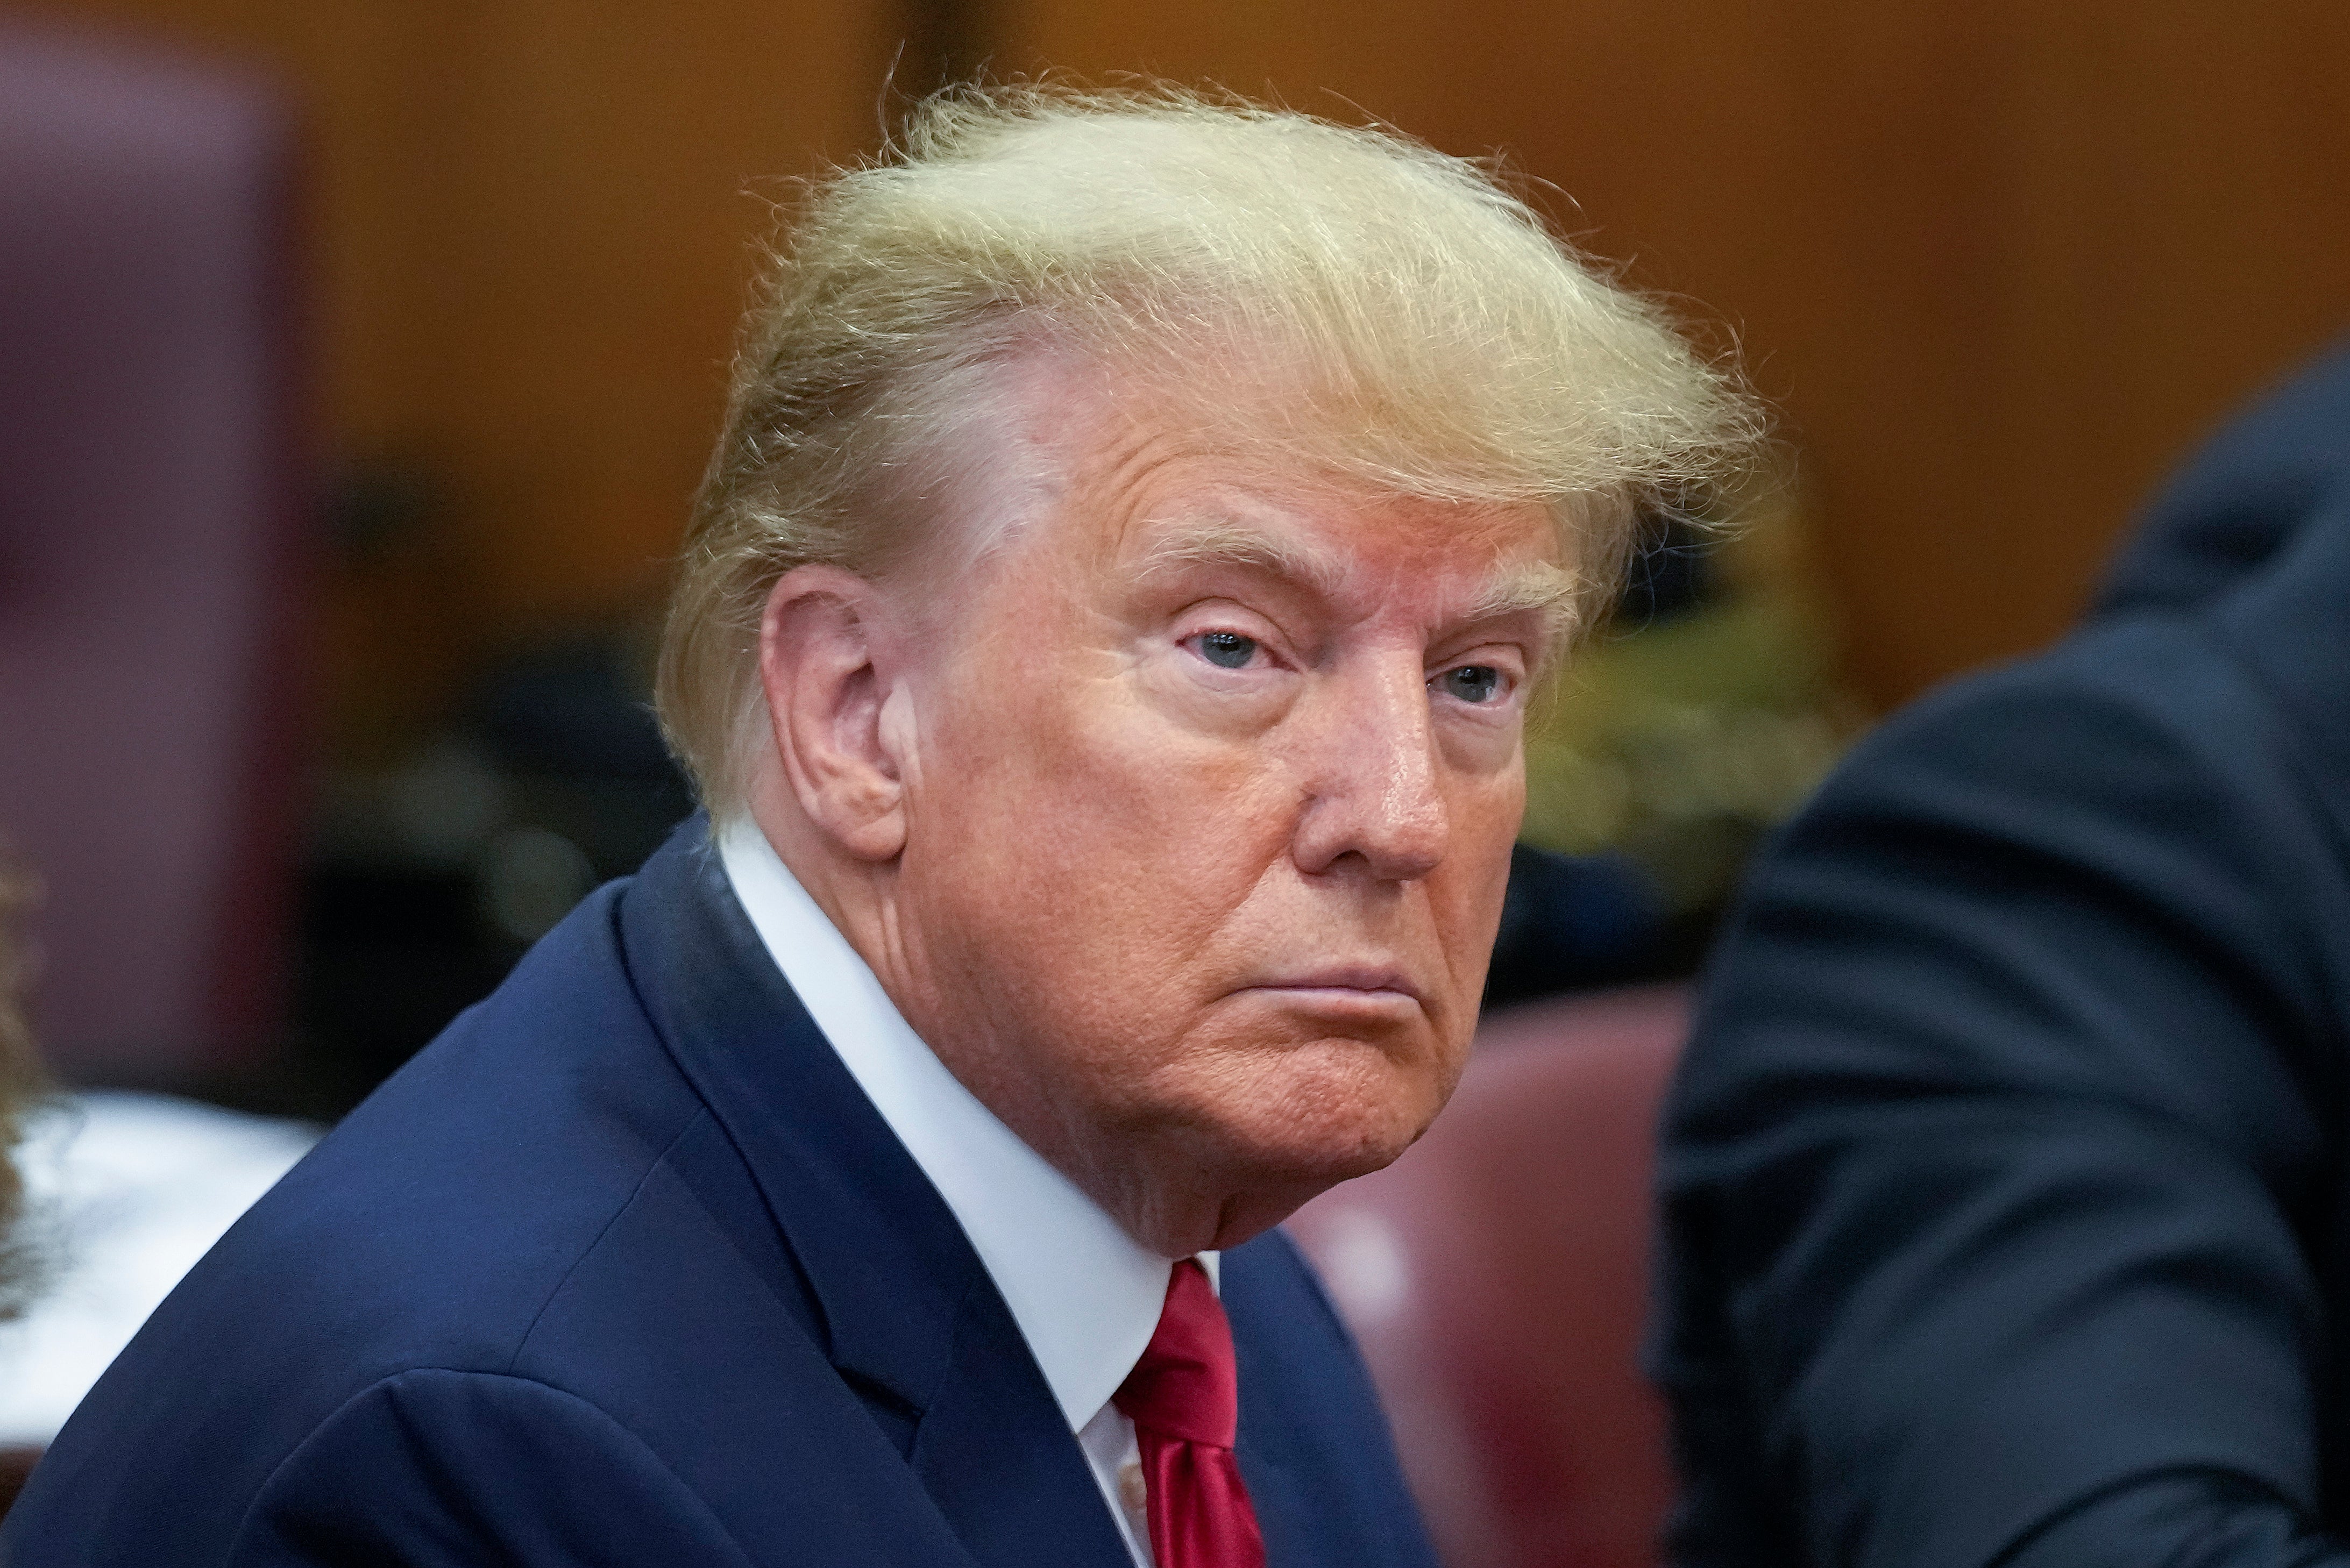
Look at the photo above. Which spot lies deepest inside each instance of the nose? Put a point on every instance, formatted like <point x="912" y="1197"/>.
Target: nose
<point x="1374" y="800"/>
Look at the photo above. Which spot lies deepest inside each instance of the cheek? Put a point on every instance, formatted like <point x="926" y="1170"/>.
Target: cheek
<point x="1486" y="813"/>
<point x="1077" y="839"/>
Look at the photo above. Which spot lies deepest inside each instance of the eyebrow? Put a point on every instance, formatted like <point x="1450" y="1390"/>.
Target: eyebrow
<point x="1552" y="592"/>
<point x="1219" y="542"/>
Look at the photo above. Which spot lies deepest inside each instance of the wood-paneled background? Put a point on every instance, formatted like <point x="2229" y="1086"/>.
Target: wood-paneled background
<point x="1999" y="261"/>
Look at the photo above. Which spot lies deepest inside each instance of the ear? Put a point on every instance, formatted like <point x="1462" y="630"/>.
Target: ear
<point x="826" y="645"/>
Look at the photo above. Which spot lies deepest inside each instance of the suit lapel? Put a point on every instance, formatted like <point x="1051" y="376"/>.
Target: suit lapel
<point x="904" y="1308"/>
<point x="1283" y="1513"/>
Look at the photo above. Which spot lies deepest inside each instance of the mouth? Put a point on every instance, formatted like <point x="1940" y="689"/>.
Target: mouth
<point x="1353" y="990"/>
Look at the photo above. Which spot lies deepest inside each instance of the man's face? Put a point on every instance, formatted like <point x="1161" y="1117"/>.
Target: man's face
<point x="1209" y="818"/>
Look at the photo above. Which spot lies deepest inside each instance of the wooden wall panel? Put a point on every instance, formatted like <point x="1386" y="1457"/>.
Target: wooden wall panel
<point x="531" y="232"/>
<point x="1999" y="263"/>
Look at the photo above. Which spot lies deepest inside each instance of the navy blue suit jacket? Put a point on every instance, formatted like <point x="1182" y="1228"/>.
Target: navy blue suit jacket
<point x="2008" y="1177"/>
<point x="626" y="1270"/>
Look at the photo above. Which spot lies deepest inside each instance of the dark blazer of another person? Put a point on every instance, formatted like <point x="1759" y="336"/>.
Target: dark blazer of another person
<point x="2008" y="1178"/>
<point x="626" y="1270"/>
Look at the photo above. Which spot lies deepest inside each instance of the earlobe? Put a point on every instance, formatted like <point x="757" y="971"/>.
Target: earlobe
<point x="824" y="662"/>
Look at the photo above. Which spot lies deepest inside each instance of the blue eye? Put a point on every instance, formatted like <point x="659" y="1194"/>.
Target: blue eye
<point x="1227" y="649"/>
<point x="1473" y="682"/>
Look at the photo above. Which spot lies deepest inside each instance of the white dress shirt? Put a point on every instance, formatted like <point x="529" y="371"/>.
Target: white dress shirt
<point x="1087" y="1296"/>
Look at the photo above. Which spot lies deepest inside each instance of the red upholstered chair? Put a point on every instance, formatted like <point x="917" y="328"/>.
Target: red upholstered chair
<point x="149" y="499"/>
<point x="1497" y="1278"/>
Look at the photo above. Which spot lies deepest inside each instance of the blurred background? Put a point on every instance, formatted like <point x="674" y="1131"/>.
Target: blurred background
<point x="1996" y="263"/>
<point x="357" y="359"/>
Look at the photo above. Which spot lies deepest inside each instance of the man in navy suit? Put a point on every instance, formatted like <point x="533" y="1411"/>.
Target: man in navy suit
<point x="1102" y="648"/>
<point x="2008" y="1177"/>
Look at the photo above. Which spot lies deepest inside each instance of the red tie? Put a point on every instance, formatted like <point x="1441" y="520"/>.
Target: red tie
<point x="1183" y="1398"/>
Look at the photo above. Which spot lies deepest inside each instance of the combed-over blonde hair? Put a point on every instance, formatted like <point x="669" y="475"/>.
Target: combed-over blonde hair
<point x="1332" y="299"/>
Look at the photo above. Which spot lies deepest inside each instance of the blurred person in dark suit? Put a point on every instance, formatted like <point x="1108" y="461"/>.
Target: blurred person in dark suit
<point x="1102" y="648"/>
<point x="2008" y="1177"/>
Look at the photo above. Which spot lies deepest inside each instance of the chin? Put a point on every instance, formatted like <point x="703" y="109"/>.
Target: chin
<point x="1234" y="1134"/>
<point x="1327" y="1113"/>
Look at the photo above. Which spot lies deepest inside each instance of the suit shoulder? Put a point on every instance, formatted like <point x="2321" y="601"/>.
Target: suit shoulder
<point x="508" y="1469"/>
<point x="463" y="1193"/>
<point x="432" y="1230"/>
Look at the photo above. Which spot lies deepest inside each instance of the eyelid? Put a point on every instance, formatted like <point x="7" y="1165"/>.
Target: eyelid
<point x="1213" y="614"/>
<point x="1215" y="609"/>
<point x="1260" y="650"/>
<point x="1515" y="664"/>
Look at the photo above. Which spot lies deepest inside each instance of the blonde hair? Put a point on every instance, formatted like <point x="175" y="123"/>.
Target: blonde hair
<point x="1415" y="327"/>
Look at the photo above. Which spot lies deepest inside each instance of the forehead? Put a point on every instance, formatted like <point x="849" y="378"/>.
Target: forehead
<point x="1322" y="537"/>
<point x="1144" y="484"/>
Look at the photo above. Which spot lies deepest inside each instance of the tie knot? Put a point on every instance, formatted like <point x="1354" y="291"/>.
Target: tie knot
<point x="1185" y="1386"/>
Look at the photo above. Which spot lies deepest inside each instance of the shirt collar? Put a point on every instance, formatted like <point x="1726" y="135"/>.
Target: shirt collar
<point x="1087" y="1296"/>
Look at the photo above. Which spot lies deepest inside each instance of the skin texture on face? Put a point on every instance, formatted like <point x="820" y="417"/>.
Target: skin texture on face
<point x="1178" y="827"/>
